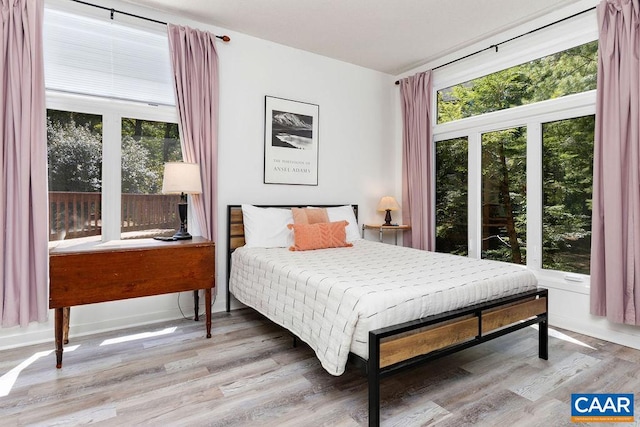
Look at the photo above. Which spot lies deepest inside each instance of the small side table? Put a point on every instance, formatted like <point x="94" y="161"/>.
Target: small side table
<point x="383" y="228"/>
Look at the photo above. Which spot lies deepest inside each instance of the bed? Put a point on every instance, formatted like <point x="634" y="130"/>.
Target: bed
<point x="386" y="308"/>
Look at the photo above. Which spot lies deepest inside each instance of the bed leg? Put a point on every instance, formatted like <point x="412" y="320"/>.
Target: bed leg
<point x="373" y="376"/>
<point x="374" y="400"/>
<point x="543" y="340"/>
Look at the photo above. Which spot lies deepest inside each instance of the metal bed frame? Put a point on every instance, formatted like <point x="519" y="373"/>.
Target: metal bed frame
<point x="400" y="347"/>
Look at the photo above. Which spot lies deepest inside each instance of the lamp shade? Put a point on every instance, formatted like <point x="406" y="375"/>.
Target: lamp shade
<point x="181" y="177"/>
<point x="388" y="203"/>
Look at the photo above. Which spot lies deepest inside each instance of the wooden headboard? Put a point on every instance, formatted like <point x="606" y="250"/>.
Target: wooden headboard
<point x="235" y="231"/>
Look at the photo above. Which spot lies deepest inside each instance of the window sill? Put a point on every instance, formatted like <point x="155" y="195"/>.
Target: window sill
<point x="555" y="280"/>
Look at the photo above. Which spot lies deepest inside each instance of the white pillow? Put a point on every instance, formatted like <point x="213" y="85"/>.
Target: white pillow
<point x="267" y="227"/>
<point x="340" y="213"/>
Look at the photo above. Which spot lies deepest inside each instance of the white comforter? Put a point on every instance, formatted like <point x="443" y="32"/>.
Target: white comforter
<point x="332" y="298"/>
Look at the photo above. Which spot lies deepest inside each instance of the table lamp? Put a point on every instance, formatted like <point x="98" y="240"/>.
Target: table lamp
<point x="182" y="178"/>
<point x="388" y="203"/>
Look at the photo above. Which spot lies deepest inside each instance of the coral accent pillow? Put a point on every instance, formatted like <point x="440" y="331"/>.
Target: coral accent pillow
<point x="321" y="235"/>
<point x="309" y="215"/>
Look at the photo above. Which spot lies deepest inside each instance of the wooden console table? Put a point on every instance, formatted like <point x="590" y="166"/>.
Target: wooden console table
<point x="87" y="273"/>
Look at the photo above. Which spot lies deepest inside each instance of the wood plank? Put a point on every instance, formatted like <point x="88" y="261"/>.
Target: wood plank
<point x="236" y="216"/>
<point x="403" y="348"/>
<point x="235" y="243"/>
<point x="515" y="313"/>
<point x="237" y="230"/>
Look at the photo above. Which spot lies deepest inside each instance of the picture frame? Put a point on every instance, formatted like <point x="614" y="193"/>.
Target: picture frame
<point x="290" y="142"/>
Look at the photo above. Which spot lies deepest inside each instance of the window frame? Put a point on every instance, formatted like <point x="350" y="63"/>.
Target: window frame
<point x="556" y="38"/>
<point x="112" y="112"/>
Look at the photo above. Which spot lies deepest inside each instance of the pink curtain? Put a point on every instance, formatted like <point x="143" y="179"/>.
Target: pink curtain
<point x="23" y="166"/>
<point x="417" y="161"/>
<point x="615" y="243"/>
<point x="195" y="68"/>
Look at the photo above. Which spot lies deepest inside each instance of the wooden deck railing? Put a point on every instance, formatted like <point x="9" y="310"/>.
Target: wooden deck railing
<point x="75" y="214"/>
<point x="146" y="211"/>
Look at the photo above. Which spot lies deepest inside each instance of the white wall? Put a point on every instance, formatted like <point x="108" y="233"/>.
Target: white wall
<point x="356" y="148"/>
<point x="355" y="128"/>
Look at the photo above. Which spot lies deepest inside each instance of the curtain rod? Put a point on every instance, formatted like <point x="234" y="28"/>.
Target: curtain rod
<point x="495" y="46"/>
<point x="224" y="38"/>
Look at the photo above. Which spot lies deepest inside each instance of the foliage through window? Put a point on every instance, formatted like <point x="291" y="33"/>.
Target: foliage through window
<point x="146" y="147"/>
<point x="451" y="196"/>
<point x="564" y="73"/>
<point x="74" y="152"/>
<point x="504" y="195"/>
<point x="567" y="181"/>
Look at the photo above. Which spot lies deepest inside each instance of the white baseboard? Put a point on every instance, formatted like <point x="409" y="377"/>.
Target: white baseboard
<point x="97" y="318"/>
<point x="625" y="335"/>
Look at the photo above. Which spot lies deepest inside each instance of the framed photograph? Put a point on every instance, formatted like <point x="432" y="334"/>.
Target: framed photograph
<point x="290" y="142"/>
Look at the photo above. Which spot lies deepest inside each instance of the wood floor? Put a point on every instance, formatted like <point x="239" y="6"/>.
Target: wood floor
<point x="249" y="374"/>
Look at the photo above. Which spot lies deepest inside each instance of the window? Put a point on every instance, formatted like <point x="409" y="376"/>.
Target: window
<point x="111" y="127"/>
<point x="567" y="181"/>
<point x="564" y="73"/>
<point x="504" y="184"/>
<point x="514" y="153"/>
<point x="74" y="151"/>
<point x="451" y="196"/>
<point x="146" y="147"/>
<point x="129" y="162"/>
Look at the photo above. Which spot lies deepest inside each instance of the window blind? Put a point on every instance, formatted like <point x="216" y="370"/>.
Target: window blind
<point x="88" y="56"/>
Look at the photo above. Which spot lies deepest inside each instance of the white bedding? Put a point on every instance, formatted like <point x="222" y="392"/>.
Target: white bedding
<point x="332" y="298"/>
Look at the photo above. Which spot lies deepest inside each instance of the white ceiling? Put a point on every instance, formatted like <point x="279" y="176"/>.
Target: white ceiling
<point x="391" y="36"/>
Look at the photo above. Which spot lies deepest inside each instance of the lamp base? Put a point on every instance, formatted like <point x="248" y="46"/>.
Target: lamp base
<point x="182" y="235"/>
<point x="387" y="218"/>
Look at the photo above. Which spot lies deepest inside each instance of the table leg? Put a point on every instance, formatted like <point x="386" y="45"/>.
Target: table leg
<point x="380" y="234"/>
<point x="58" y="335"/>
<point x="396" y="234"/>
<point x="207" y="300"/>
<point x="196" y="303"/>
<point x="66" y="317"/>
